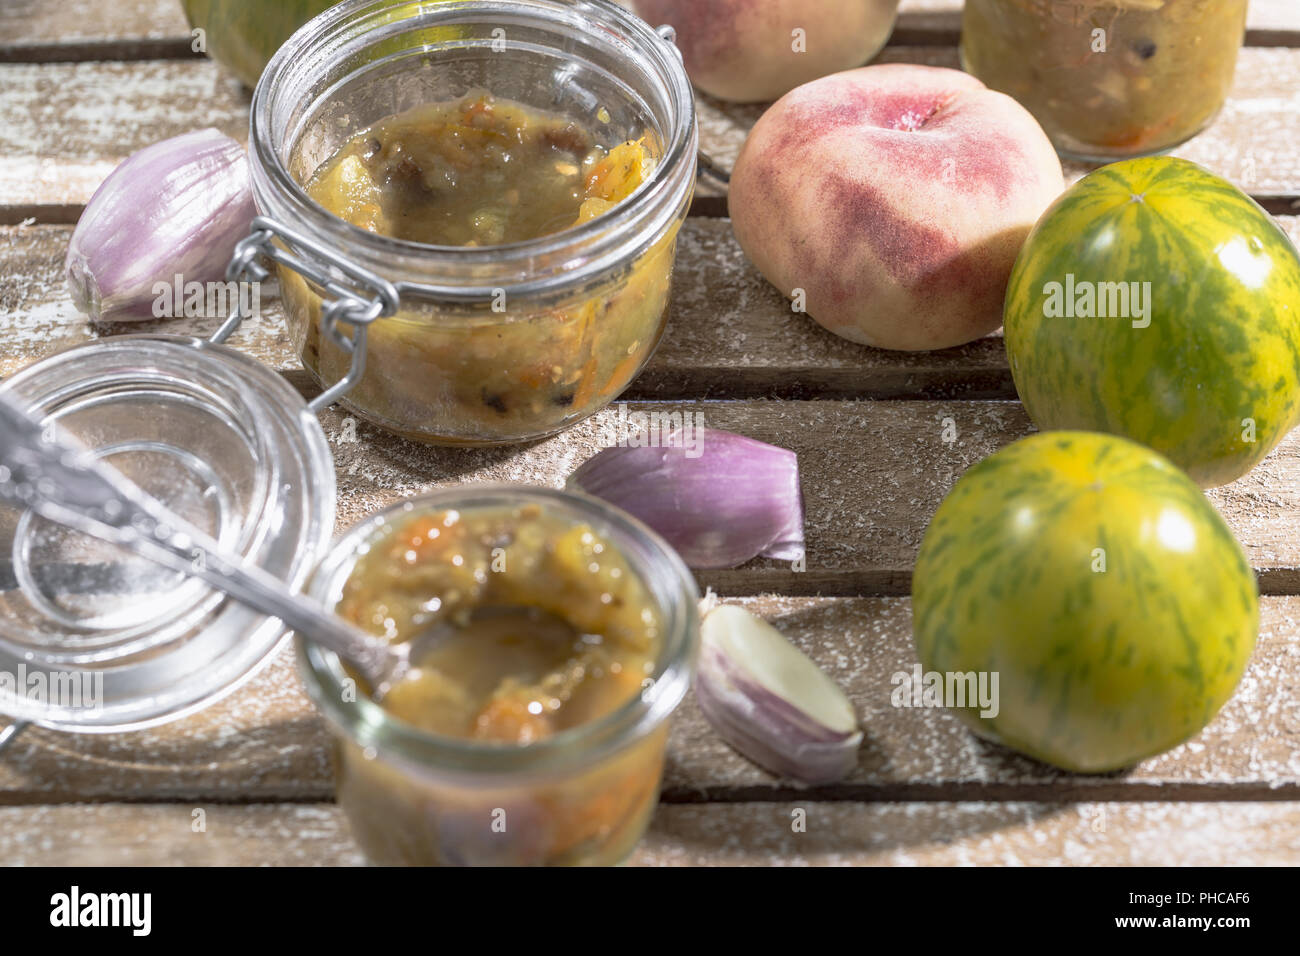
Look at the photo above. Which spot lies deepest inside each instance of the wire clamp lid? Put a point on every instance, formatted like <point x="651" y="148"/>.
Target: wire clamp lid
<point x="356" y="295"/>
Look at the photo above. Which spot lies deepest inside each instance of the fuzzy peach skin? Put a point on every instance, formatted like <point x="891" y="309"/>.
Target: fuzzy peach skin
<point x="897" y="198"/>
<point x="744" y="50"/>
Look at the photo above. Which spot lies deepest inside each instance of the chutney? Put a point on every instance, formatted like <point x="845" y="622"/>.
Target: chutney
<point x="1108" y="79"/>
<point x="472" y="177"/>
<point x="572" y="636"/>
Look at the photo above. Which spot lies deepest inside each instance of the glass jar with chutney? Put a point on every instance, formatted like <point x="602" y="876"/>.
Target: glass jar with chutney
<point x="559" y="636"/>
<point x="1108" y="79"/>
<point x="496" y="187"/>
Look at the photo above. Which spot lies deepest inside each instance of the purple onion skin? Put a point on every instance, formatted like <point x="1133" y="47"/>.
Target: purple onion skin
<point x="769" y="730"/>
<point x="176" y="207"/>
<point x="739" y="499"/>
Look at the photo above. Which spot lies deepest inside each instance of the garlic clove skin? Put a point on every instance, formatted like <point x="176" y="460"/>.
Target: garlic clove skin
<point x="174" y="208"/>
<point x="769" y="701"/>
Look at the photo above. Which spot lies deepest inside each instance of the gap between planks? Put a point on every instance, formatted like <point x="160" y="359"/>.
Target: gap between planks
<point x="702" y="207"/>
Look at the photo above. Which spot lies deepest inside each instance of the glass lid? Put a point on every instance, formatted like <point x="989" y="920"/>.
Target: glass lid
<point x="93" y="638"/>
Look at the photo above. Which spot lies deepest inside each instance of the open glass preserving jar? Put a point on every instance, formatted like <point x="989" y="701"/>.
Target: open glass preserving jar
<point x="581" y="795"/>
<point x="1108" y="79"/>
<point x="496" y="343"/>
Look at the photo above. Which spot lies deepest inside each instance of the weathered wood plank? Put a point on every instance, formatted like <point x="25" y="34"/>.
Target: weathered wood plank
<point x="1261" y="16"/>
<point x="975" y="834"/>
<point x="730" y="333"/>
<point x="873" y="473"/>
<point x="165" y="835"/>
<point x="837" y="834"/>
<point x="265" y="742"/>
<point x="24" y="22"/>
<point x="1248" y="750"/>
<point x="69" y="124"/>
<point x="38" y="30"/>
<point x="37" y="317"/>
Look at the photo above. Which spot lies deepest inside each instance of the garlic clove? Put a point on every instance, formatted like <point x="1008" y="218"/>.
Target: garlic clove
<point x="175" y="208"/>
<point x="768" y="700"/>
<point x="728" y="500"/>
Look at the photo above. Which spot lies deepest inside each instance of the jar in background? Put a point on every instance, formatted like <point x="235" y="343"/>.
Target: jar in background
<point x="499" y="343"/>
<point x="582" y="796"/>
<point x="1108" y="79"/>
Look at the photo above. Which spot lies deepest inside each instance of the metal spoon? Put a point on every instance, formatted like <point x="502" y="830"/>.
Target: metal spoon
<point x="46" y="472"/>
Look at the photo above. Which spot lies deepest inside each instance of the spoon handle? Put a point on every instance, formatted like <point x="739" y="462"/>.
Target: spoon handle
<point x="190" y="551"/>
<point x="9" y="734"/>
<point x="42" y="470"/>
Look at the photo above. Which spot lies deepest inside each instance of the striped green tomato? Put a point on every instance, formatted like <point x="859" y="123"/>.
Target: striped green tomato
<point x="1095" y="579"/>
<point x="1157" y="301"/>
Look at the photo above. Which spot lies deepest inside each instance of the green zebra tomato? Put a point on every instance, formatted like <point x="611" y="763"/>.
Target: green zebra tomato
<point x="1157" y="301"/>
<point x="1100" y="586"/>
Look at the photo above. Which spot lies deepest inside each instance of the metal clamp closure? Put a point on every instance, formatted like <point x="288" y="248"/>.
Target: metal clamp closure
<point x="358" y="296"/>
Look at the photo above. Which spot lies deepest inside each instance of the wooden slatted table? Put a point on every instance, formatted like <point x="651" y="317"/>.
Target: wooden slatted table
<point x="85" y="82"/>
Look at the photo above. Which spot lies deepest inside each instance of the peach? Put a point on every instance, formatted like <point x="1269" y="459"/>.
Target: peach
<point x="891" y="202"/>
<point x="755" y="50"/>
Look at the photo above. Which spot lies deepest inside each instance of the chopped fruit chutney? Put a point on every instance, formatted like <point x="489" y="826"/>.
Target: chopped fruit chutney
<point x="538" y="624"/>
<point x="476" y="175"/>
<point x="481" y="173"/>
